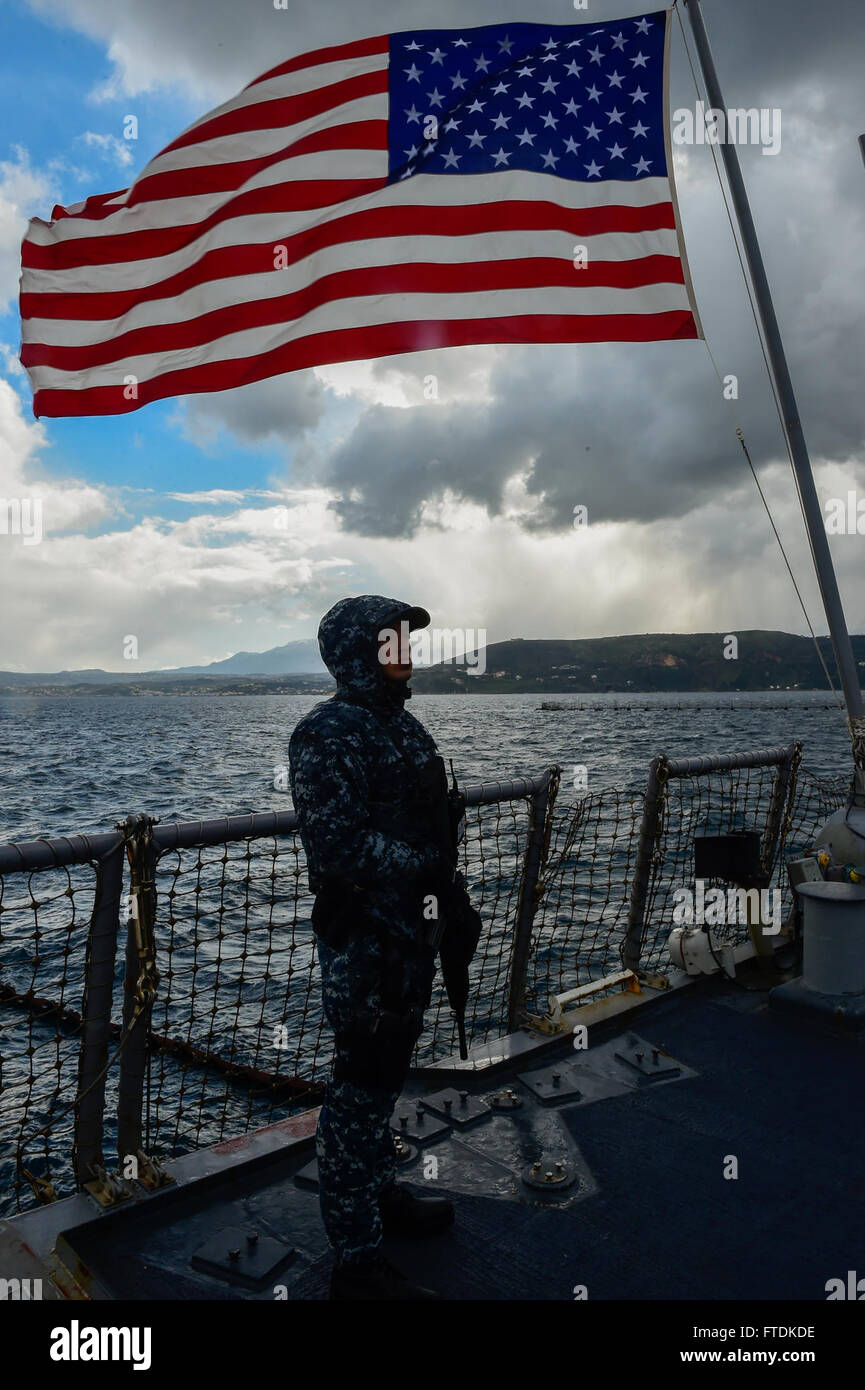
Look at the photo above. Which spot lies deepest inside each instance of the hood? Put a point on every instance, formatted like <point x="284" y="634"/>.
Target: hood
<point x="348" y="639"/>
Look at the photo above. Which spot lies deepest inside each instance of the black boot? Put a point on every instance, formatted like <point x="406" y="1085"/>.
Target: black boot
<point x="405" y="1212"/>
<point x="375" y="1278"/>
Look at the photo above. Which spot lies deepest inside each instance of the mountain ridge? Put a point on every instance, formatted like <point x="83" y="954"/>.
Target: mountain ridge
<point x="766" y="659"/>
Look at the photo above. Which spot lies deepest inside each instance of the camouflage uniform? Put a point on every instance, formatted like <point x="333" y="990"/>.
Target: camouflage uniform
<point x="357" y="763"/>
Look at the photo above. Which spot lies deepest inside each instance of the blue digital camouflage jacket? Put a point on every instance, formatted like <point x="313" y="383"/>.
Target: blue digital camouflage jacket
<point x="355" y="762"/>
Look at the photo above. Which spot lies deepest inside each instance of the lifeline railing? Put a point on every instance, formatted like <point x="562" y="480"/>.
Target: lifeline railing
<point x="215" y="1012"/>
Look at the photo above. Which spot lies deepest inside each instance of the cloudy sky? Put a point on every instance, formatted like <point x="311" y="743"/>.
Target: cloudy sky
<point x="233" y="521"/>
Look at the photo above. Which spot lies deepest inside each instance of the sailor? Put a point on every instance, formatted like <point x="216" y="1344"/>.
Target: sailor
<point x="367" y="784"/>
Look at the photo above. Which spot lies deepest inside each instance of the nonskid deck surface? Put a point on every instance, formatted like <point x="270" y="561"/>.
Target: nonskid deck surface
<point x="640" y="1209"/>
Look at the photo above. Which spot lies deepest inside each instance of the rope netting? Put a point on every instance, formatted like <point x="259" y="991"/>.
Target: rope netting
<point x="583" y="911"/>
<point x="236" y="1037"/>
<point x="711" y="804"/>
<point x="493" y="852"/>
<point x="44" y="922"/>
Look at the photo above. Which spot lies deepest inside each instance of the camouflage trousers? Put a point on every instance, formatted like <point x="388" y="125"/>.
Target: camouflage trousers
<point x="362" y="984"/>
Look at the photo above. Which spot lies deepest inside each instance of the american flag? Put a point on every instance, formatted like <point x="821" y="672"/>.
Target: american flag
<point x="504" y="184"/>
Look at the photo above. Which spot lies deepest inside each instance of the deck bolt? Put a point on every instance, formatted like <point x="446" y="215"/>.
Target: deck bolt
<point x="536" y="1168"/>
<point x="448" y="1103"/>
<point x="234" y="1254"/>
<point x="560" y="1166"/>
<point x="655" y="1055"/>
<point x="639" y="1056"/>
<point x="403" y="1119"/>
<point x="464" y="1095"/>
<point x="557" y="1076"/>
<point x="253" y="1239"/>
<point x="548" y="1175"/>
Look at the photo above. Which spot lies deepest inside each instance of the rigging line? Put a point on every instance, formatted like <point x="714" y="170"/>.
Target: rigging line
<point x="760" y="340"/>
<point x="741" y="437"/>
<point x="748" y="290"/>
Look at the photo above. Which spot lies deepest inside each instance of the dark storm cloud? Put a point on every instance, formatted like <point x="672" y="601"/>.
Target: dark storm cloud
<point x="279" y="408"/>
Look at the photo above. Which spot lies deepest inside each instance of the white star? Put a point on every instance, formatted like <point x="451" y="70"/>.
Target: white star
<point x="551" y="43"/>
<point x="639" y="128"/>
<point x="476" y="139"/>
<point x="525" y="72"/>
<point x="435" y="97"/>
<point x="595" y="54"/>
<point x="461" y="43"/>
<point x="452" y="125"/>
<point x="573" y="68"/>
<point x="575" y="43"/>
<point x="501" y="122"/>
<point x="638" y="95"/>
<point x="549" y="119"/>
<point x="615" y="116"/>
<point x="413" y="114"/>
<point x="571" y="145"/>
<point x="643" y="166"/>
<point x="451" y="160"/>
<point x="526" y="100"/>
<point x="412" y="152"/>
<point x="549" y="85"/>
<point x="437" y="55"/>
<point x="458" y="81"/>
<point x="572" y="107"/>
<point x="413" y="73"/>
<point x="593" y="93"/>
<point x="640" y="60"/>
<point x="593" y="170"/>
<point x="481" y="63"/>
<point x="617" y="151"/>
<point x="526" y="138"/>
<point x="407" y="173"/>
<point x="642" y="26"/>
<point x="506" y="44"/>
<point x="549" y="57"/>
<point x="477" y="105"/>
<point x="618" y="40"/>
<point x="502" y="87"/>
<point x="501" y="157"/>
<point x="430" y="148"/>
<point x="593" y="131"/>
<point x="551" y="160"/>
<point x="414" y="46"/>
<point x="615" y="80"/>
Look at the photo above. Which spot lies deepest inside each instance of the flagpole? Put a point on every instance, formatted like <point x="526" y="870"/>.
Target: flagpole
<point x="798" y="448"/>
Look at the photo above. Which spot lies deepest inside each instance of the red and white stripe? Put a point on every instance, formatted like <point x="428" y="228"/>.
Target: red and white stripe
<point x="170" y="286"/>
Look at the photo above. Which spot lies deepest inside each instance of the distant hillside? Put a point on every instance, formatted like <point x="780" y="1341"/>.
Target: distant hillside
<point x="648" y="662"/>
<point x="292" y="659"/>
<point x="550" y="666"/>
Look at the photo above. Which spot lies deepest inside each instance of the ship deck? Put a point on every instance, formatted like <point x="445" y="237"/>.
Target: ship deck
<point x="643" y="1209"/>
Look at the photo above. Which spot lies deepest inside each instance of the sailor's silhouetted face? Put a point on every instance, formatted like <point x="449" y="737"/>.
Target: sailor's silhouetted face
<point x="395" y="653"/>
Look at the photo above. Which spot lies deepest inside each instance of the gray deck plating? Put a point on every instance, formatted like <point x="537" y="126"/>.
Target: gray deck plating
<point x="647" y="1211"/>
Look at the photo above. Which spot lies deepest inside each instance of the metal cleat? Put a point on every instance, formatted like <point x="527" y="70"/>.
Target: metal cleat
<point x="108" y="1189"/>
<point x="151" y="1173"/>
